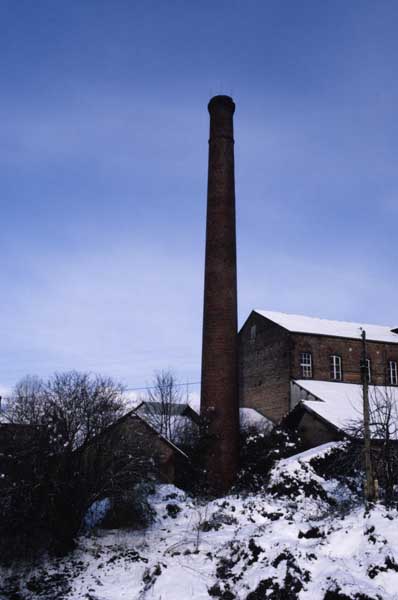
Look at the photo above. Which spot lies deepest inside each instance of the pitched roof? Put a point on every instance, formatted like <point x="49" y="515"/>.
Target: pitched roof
<point x="303" y="324"/>
<point x="338" y="403"/>
<point x="250" y="417"/>
<point x="157" y="408"/>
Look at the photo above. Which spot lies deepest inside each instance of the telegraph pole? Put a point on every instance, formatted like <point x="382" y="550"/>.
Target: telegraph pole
<point x="369" y="481"/>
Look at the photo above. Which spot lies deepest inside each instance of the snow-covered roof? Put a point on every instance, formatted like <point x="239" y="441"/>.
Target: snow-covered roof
<point x="305" y="457"/>
<point x="134" y="414"/>
<point x="338" y="403"/>
<point x="159" y="408"/>
<point x="303" y="324"/>
<point x="250" y="417"/>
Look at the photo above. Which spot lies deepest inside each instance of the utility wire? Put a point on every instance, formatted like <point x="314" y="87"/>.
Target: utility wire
<point x="133" y="389"/>
<point x="151" y="387"/>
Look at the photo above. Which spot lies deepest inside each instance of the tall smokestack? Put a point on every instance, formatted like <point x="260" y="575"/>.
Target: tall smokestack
<point x="219" y="391"/>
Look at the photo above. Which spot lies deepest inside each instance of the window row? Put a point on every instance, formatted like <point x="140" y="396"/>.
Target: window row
<point x="336" y="368"/>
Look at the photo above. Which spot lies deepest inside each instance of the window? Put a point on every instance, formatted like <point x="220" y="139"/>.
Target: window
<point x="392" y="372"/>
<point x="368" y="369"/>
<point x="253" y="333"/>
<point x="335" y="367"/>
<point x="306" y="364"/>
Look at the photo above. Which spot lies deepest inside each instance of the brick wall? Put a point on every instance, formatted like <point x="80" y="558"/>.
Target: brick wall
<point x="219" y="389"/>
<point x="269" y="357"/>
<point x="321" y="347"/>
<point x="264" y="367"/>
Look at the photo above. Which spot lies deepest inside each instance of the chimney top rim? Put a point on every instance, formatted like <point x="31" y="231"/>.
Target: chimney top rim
<point x="221" y="100"/>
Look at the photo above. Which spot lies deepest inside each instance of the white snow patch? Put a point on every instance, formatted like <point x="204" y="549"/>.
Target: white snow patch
<point x="304" y="324"/>
<point x="237" y="542"/>
<point x="339" y="403"/>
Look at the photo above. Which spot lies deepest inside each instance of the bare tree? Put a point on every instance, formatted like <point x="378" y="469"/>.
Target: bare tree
<point x="27" y="403"/>
<point x="63" y="454"/>
<point x="384" y="423"/>
<point x="163" y="406"/>
<point x="383" y="427"/>
<point x="74" y="407"/>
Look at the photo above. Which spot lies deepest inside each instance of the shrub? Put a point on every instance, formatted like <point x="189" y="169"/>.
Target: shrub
<point x="260" y="451"/>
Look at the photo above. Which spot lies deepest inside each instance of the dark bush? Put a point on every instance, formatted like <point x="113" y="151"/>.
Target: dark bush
<point x="130" y="509"/>
<point x="259" y="452"/>
<point x="62" y="456"/>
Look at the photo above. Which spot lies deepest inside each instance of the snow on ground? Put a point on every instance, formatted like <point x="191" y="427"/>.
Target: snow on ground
<point x="286" y="543"/>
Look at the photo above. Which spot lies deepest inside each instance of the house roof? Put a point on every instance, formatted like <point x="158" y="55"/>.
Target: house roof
<point x="315" y="325"/>
<point x="171" y="409"/>
<point x="182" y="416"/>
<point x="250" y="417"/>
<point x="339" y="403"/>
<point x="132" y="415"/>
<point x="157" y="408"/>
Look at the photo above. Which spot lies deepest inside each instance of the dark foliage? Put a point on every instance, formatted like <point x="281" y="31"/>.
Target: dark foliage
<point x="60" y="460"/>
<point x="347" y="465"/>
<point x="130" y="509"/>
<point x="292" y="487"/>
<point x="224" y="594"/>
<point x="341" y="463"/>
<point x="260" y="451"/>
<point x="217" y="521"/>
<point x="383" y="410"/>
<point x="192" y="476"/>
<point x="312" y="533"/>
<point x="389" y="564"/>
<point x="291" y="586"/>
<point x="338" y="595"/>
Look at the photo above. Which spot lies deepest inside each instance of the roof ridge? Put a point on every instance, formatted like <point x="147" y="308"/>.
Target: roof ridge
<point x="361" y="323"/>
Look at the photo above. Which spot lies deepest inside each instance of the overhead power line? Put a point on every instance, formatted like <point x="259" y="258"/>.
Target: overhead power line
<point x="132" y="389"/>
<point x="151" y="387"/>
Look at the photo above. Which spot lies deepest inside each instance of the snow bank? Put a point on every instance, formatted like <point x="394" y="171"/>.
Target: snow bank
<point x="262" y="546"/>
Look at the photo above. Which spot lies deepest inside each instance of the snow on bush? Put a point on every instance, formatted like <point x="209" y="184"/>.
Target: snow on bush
<point x="96" y="513"/>
<point x="290" y="545"/>
<point x="297" y="477"/>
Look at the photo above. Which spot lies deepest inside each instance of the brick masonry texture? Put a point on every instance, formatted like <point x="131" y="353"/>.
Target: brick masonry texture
<point x="264" y="367"/>
<point x="268" y="362"/>
<point x="350" y="350"/>
<point x="219" y="390"/>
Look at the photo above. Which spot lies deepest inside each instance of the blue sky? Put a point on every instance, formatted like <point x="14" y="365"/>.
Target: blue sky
<point x="103" y="160"/>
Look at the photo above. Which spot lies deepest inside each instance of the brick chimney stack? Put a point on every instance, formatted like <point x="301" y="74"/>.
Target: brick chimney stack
<point x="219" y="390"/>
